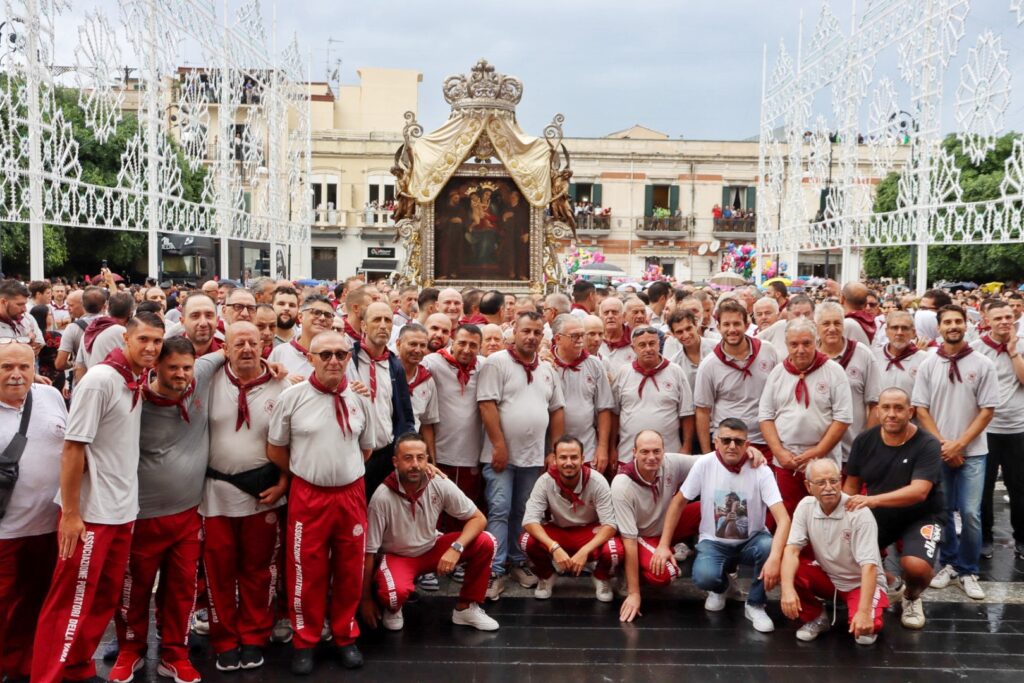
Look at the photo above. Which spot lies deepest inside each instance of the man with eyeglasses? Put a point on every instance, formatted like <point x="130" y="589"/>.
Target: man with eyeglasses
<point x="14" y="324"/>
<point x="616" y="348"/>
<point x="585" y="387"/>
<point x="321" y="432"/>
<point x="239" y="305"/>
<point x="651" y="394"/>
<point x="734" y="497"/>
<point x="899" y="465"/>
<point x="899" y="359"/>
<point x="317" y="315"/>
<point x="846" y="564"/>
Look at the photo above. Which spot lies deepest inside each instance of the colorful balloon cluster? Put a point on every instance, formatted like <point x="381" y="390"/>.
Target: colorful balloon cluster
<point x="581" y="258"/>
<point x="739" y="258"/>
<point x="654" y="272"/>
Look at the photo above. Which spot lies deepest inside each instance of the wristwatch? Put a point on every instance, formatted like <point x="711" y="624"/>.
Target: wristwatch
<point x="457" y="547"/>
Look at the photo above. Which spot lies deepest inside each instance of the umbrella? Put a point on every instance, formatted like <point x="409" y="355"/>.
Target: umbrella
<point x="309" y="282"/>
<point x="992" y="287"/>
<point x="727" y="278"/>
<point x="600" y="270"/>
<point x="783" y="280"/>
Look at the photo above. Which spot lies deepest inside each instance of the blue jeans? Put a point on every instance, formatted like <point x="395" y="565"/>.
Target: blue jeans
<point x="506" y="493"/>
<point x="715" y="560"/>
<point x="963" y="488"/>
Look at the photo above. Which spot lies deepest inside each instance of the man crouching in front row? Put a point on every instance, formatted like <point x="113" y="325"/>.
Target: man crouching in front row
<point x="402" y="520"/>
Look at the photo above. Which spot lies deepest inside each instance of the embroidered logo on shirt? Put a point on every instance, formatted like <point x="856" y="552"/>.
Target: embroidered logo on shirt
<point x="271" y="518"/>
<point x="357" y="530"/>
<point x="972" y="376"/>
<point x="822" y="387"/>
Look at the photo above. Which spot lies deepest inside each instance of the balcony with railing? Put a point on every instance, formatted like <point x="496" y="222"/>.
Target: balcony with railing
<point x="370" y="222"/>
<point x="591" y="225"/>
<point x="735" y="228"/>
<point x="664" y="227"/>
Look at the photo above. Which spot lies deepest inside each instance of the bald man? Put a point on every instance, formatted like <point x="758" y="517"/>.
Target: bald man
<point x="593" y="334"/>
<point x="859" y="323"/>
<point x="449" y="302"/>
<point x="439" y="331"/>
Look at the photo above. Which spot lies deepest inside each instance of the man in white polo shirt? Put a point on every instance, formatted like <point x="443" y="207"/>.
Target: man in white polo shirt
<point x="689" y="348"/>
<point x="242" y="493"/>
<point x="651" y="393"/>
<point x="956" y="393"/>
<point x="317" y="315"/>
<point x="412" y="349"/>
<point x="804" y="410"/>
<point x="98" y="503"/>
<point x="521" y="404"/>
<point x="732" y="378"/>
<point x="322" y="432"/>
<point x="616" y="349"/>
<point x="578" y="503"/>
<point x="588" y="395"/>
<point x="28" y="540"/>
<point x="899" y="358"/>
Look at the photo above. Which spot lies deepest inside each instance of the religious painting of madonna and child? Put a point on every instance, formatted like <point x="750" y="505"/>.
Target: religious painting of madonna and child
<point x="481" y="231"/>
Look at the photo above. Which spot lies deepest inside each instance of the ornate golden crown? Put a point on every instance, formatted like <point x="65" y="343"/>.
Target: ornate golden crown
<point x="485" y="185"/>
<point x="483" y="88"/>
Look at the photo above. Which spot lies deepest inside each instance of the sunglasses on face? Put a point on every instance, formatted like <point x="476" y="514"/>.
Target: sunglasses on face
<point x="731" y="440"/>
<point x="318" y="313"/>
<point x="326" y="356"/>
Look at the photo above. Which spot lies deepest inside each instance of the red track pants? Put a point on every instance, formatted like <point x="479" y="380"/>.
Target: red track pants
<point x="326" y="550"/>
<point x="82" y="599"/>
<point x="607" y="556"/>
<point x="791" y="487"/>
<point x="470" y="481"/>
<point x="240" y="558"/>
<point x="689" y="525"/>
<point x="26" y="567"/>
<point x="812" y="582"/>
<point x="171" y="545"/>
<point x="396" y="574"/>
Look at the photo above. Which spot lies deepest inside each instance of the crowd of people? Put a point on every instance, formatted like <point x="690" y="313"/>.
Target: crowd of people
<point x="718" y="211"/>
<point x="289" y="464"/>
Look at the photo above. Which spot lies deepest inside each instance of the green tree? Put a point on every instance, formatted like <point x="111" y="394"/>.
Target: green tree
<point x="980" y="262"/>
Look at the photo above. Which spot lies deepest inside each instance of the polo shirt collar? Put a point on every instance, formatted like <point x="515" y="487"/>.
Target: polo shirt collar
<point x="836" y="514"/>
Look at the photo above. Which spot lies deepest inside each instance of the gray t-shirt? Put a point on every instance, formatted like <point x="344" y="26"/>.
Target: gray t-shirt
<point x="954" y="404"/>
<point x="458" y="435"/>
<point x="394" y="529"/>
<point x="639" y="511"/>
<point x="587" y="392"/>
<point x="728" y="392"/>
<point x="1009" y="416"/>
<point x="547" y="502"/>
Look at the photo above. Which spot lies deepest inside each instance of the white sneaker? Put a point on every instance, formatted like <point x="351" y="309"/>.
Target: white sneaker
<point x="543" y="589"/>
<point x="523" y="576"/>
<point x="325" y="632"/>
<point x="282" y="632"/>
<point x="681" y="552"/>
<point x="201" y="622"/>
<point x="913" y="613"/>
<point x="474" y="616"/>
<point x="603" y="590"/>
<point x="813" y="628"/>
<point x="756" y="614"/>
<point x="429" y="582"/>
<point x="392" y="621"/>
<point x="969" y="584"/>
<point x="495" y="587"/>
<point x="945" y="575"/>
<point x="715" y="602"/>
<point x="866" y="640"/>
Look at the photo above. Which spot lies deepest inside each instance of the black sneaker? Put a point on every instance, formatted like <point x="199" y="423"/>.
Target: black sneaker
<point x="230" y="660"/>
<point x="302" y="662"/>
<point x="252" y="657"/>
<point x="987" y="550"/>
<point x="1019" y="550"/>
<point x="350" y="656"/>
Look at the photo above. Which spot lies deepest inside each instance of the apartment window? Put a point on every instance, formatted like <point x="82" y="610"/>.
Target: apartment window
<point x="739" y="197"/>
<point x="325" y="197"/>
<point x="663" y="197"/>
<point x="325" y="263"/>
<point x="380" y="193"/>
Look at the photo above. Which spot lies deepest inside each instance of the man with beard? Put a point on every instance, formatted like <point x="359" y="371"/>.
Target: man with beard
<point x="439" y="331"/>
<point x="804" y="411"/>
<point x="582" y="522"/>
<point x="98" y="503"/>
<point x="616" y="351"/>
<point x="900" y="358"/>
<point x="520" y="404"/>
<point x="588" y="395"/>
<point x="14" y="324"/>
<point x="956" y="394"/>
<point x="317" y="315"/>
<point x="199" y="318"/>
<point x="62" y="316"/>
<point x="286" y="307"/>
<point x="321" y="432"/>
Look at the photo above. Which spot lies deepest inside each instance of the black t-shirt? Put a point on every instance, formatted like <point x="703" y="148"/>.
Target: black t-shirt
<point x="885" y="468"/>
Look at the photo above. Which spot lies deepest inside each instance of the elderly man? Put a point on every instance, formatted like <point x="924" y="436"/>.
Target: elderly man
<point x="449" y="303"/>
<point x="766" y="314"/>
<point x="585" y="387"/>
<point x="900" y="466"/>
<point x="28" y="515"/>
<point x="241" y="497"/>
<point x="899" y="359"/>
<point x="804" y="411"/>
<point x="616" y="349"/>
<point x="956" y="393"/>
<point x="321" y="433"/>
<point x="521" y="405"/>
<point x="846" y="566"/>
<point x="98" y="503"/>
<point x="407" y="306"/>
<point x="493" y="339"/>
<point x="651" y="394"/>
<point x="555" y="304"/>
<point x="317" y="315"/>
<point x="239" y="306"/>
<point x="857" y="361"/>
<point x="734" y="499"/>
<point x="634" y="313"/>
<point x="581" y="527"/>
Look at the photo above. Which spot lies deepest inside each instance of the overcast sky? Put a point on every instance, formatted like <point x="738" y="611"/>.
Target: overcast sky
<point x="685" y="67"/>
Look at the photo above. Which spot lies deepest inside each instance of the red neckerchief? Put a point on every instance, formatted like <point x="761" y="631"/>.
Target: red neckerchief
<point x="60" y="307"/>
<point x="299" y="347"/>
<point x="847" y="355"/>
<point x="15" y="325"/>
<point x="580" y="307"/>
<point x="422" y="375"/>
<point x="954" y="369"/>
<point x="649" y="375"/>
<point x="802" y="393"/>
<point x="340" y="407"/>
<point x="629" y="469"/>
<point x="243" y="390"/>
<point x="215" y="345"/>
<point x="463" y="372"/>
<point x="783" y="305"/>
<point x="117" y="360"/>
<point x="999" y="347"/>
<point x="755" y="348"/>
<point x="96" y="325"/>
<point x="351" y="331"/>
<point x="475" y="319"/>
<point x="623" y="341"/>
<point x="574" y="366"/>
<point x="528" y="367"/>
<point x="897" y="360"/>
<point x="382" y="358"/>
<point x="163" y="402"/>
<point x="266" y="351"/>
<point x="983" y="327"/>
<point x="391" y="481"/>
<point x="735" y="469"/>
<point x="574" y="500"/>
<point x="866" y="321"/>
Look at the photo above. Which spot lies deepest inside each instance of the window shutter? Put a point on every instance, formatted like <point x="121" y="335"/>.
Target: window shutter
<point x="751" y="198"/>
<point x="572" y="191"/>
<point x="673" y="198"/>
<point x="649" y="200"/>
<point x="726" y="198"/>
<point x="596" y="195"/>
